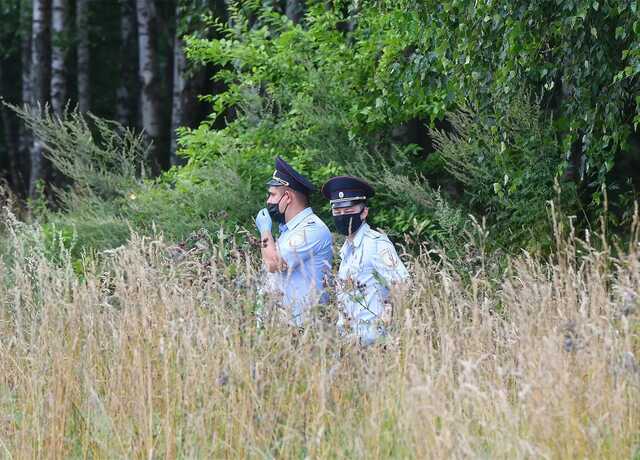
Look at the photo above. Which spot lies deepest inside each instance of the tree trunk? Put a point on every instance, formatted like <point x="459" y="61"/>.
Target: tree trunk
<point x="58" y="71"/>
<point x="148" y="75"/>
<point x="124" y="93"/>
<point x="294" y="10"/>
<point x="10" y="136"/>
<point x="26" y="139"/>
<point x="178" y="103"/>
<point x="12" y="149"/>
<point x="39" y="84"/>
<point x="82" y="30"/>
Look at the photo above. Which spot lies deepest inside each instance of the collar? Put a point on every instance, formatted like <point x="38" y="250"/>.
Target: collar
<point x="297" y="220"/>
<point x="357" y="239"/>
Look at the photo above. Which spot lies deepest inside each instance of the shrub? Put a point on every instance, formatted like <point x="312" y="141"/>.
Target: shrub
<point x="510" y="164"/>
<point x="334" y="89"/>
<point x="106" y="193"/>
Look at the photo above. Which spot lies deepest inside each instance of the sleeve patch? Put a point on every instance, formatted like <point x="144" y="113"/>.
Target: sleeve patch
<point x="389" y="257"/>
<point x="297" y="240"/>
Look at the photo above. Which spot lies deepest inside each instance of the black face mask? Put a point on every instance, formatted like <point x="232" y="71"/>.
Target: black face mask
<point x="347" y="222"/>
<point x="274" y="211"/>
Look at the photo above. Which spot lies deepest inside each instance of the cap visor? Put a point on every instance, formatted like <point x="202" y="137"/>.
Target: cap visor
<point x="345" y="204"/>
<point x="274" y="183"/>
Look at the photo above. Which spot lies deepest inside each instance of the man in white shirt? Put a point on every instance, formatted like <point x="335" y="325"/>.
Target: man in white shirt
<point x="369" y="268"/>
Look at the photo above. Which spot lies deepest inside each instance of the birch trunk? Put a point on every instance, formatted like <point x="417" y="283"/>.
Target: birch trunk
<point x="26" y="139"/>
<point x="39" y="85"/>
<point x="178" y="103"/>
<point x="58" y="71"/>
<point x="124" y="93"/>
<point x="82" y="30"/>
<point x="148" y="75"/>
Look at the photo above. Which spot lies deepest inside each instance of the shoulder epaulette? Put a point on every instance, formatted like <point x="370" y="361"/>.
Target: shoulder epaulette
<point x="371" y="233"/>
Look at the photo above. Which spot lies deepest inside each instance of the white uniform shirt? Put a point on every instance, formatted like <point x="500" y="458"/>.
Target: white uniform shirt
<point x="369" y="266"/>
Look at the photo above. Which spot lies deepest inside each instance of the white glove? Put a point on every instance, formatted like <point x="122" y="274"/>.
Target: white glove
<point x="263" y="221"/>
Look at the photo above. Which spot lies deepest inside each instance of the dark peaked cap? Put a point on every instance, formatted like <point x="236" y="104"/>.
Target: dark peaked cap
<point x="285" y="175"/>
<point x="345" y="191"/>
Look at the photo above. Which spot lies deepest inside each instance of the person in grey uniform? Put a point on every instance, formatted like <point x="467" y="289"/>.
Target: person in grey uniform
<point x="299" y="260"/>
<point x="369" y="264"/>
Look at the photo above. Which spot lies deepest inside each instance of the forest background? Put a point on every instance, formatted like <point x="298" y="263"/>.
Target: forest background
<point x="451" y="109"/>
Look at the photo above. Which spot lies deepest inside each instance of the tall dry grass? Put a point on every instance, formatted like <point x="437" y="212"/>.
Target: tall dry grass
<point x="155" y="354"/>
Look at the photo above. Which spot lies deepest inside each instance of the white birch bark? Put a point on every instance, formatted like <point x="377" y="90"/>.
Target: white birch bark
<point x="58" y="51"/>
<point x="25" y="64"/>
<point x="148" y="73"/>
<point x="39" y="85"/>
<point x="178" y="103"/>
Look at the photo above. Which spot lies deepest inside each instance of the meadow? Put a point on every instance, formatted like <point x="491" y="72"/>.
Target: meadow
<point x="153" y="351"/>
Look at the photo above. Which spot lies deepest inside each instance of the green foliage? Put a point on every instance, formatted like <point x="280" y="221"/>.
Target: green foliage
<point x="200" y="197"/>
<point x="305" y="94"/>
<point x="509" y="163"/>
<point x="329" y="100"/>
<point x="516" y="97"/>
<point x="107" y="194"/>
<point x="414" y="212"/>
<point x="191" y="15"/>
<point x="85" y="230"/>
<point x="631" y="53"/>
<point x="101" y="158"/>
<point x="579" y="56"/>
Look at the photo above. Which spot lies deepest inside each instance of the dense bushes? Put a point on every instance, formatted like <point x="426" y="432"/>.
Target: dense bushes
<point x="510" y="166"/>
<point x="108" y="193"/>
<point x="342" y="101"/>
